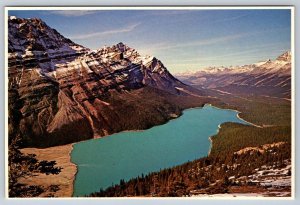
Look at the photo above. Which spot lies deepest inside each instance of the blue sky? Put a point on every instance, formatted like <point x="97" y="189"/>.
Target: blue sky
<point x="182" y="39"/>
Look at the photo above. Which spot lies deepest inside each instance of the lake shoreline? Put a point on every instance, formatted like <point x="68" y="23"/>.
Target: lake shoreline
<point x="219" y="126"/>
<point x="238" y="115"/>
<point x="65" y="179"/>
<point x="139" y="130"/>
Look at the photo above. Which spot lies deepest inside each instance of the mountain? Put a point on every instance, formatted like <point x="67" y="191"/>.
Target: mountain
<point x="60" y="92"/>
<point x="270" y="77"/>
<point x="32" y="43"/>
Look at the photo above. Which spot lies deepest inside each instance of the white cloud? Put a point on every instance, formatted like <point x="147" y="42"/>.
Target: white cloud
<point x="72" y="13"/>
<point x="126" y="29"/>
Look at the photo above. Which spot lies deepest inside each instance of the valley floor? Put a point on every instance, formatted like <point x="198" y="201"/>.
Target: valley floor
<point x="60" y="185"/>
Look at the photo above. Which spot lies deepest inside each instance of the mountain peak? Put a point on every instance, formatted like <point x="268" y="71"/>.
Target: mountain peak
<point x="122" y="47"/>
<point x="120" y="44"/>
<point x="42" y="46"/>
<point x="33" y="34"/>
<point x="12" y="17"/>
<point x="284" y="57"/>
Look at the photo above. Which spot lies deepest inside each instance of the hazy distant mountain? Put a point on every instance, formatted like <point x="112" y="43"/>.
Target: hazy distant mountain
<point x="270" y="77"/>
<point x="60" y="92"/>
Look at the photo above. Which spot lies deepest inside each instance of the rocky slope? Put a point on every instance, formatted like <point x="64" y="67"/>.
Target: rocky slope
<point x="271" y="78"/>
<point x="60" y="92"/>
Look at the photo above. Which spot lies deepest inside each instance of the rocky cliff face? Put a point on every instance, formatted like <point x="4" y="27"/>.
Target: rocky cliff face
<point x="60" y="92"/>
<point x="270" y="77"/>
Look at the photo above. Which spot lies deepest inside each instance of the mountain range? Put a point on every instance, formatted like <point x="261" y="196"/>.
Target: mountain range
<point x="268" y="78"/>
<point x="60" y="92"/>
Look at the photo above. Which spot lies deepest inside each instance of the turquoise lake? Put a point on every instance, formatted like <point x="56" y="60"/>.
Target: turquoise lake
<point x="103" y="162"/>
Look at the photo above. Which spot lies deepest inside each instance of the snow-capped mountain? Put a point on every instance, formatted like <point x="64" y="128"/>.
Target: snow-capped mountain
<point x="61" y="92"/>
<point x="270" y="77"/>
<point x="34" y="44"/>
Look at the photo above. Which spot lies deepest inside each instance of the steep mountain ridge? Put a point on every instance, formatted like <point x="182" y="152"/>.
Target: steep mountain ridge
<point x="270" y="77"/>
<point x="60" y="92"/>
<point x="32" y="43"/>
